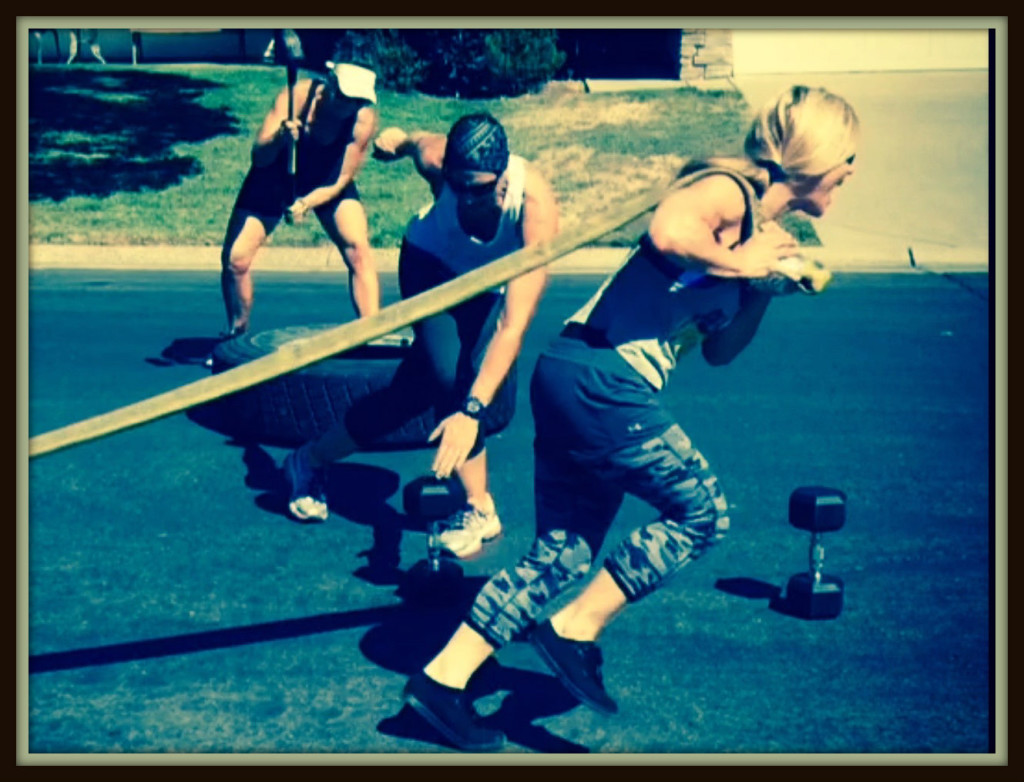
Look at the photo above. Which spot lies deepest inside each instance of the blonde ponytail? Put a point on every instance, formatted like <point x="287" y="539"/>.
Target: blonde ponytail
<point x="803" y="133"/>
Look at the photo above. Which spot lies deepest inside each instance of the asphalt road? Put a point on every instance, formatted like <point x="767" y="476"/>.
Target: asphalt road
<point x="174" y="608"/>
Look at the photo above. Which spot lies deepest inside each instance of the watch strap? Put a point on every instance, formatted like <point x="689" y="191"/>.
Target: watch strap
<point x="473" y="407"/>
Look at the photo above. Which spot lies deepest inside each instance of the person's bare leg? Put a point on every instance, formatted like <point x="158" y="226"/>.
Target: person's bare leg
<point x="350" y="232"/>
<point x="592" y="611"/>
<point x="473" y="474"/>
<point x="460" y="658"/>
<point x="244" y="238"/>
<point x="90" y="39"/>
<point x="72" y="46"/>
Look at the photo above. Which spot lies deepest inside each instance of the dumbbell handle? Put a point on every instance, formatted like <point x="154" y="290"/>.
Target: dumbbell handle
<point x="816" y="557"/>
<point x="433" y="549"/>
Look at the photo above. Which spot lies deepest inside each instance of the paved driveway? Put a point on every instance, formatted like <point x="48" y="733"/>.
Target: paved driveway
<point x="923" y="173"/>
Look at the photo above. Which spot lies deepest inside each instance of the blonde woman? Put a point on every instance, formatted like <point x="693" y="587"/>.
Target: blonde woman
<point x="698" y="276"/>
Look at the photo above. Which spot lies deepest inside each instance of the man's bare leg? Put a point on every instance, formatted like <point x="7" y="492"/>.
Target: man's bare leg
<point x="473" y="475"/>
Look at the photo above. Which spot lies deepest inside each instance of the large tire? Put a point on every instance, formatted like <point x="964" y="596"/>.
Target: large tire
<point x="297" y="407"/>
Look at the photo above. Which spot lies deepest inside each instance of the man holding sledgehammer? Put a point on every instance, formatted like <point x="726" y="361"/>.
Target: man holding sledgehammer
<point x="487" y="204"/>
<point x="305" y="158"/>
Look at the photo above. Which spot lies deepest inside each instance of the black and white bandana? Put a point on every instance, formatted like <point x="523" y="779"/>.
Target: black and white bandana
<point x="477" y="142"/>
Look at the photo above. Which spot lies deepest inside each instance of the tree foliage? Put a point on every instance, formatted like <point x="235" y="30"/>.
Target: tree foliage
<point x="454" y="62"/>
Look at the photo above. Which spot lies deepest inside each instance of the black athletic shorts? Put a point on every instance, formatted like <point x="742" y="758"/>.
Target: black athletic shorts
<point x="266" y="194"/>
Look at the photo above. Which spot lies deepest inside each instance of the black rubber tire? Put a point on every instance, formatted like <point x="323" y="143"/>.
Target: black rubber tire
<point x="297" y="407"/>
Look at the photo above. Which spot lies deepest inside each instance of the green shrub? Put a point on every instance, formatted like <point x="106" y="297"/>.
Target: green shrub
<point x="456" y="63"/>
<point x="486" y="63"/>
<point x="398" y="65"/>
<point x="520" y="61"/>
<point x="447" y="62"/>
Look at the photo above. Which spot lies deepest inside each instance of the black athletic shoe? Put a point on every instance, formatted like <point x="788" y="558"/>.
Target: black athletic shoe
<point x="447" y="710"/>
<point x="577" y="665"/>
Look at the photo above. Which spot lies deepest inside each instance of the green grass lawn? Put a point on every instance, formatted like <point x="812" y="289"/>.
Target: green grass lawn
<point x="155" y="154"/>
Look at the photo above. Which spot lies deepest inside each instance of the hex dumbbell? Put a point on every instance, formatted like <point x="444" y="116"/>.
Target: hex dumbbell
<point x="813" y="595"/>
<point x="431" y="500"/>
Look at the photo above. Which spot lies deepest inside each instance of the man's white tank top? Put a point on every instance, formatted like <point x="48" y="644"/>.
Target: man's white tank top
<point x="436" y="228"/>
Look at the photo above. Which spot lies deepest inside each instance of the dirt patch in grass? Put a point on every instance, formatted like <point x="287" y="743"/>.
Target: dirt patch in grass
<point x="574" y="113"/>
<point x="589" y="183"/>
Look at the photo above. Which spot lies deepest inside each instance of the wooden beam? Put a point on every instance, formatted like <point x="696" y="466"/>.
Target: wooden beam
<point x="302" y="352"/>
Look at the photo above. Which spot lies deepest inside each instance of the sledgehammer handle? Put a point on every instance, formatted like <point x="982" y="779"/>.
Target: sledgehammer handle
<point x="293" y="154"/>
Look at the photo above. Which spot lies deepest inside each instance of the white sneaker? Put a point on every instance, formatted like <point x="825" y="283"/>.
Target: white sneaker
<point x="308" y="499"/>
<point x="466" y="531"/>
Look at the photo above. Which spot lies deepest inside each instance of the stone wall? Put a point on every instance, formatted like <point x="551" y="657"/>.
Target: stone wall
<point x="705" y="54"/>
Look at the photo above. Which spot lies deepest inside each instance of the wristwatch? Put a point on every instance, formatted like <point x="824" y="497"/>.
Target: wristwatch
<point x="473" y="407"/>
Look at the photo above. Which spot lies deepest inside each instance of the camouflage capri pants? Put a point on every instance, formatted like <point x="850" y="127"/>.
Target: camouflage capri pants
<point x="602" y="433"/>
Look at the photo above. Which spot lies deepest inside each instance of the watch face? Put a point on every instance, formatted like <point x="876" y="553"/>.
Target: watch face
<point x="473" y="407"/>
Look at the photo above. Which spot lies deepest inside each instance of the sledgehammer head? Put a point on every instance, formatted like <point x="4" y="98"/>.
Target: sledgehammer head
<point x="287" y="47"/>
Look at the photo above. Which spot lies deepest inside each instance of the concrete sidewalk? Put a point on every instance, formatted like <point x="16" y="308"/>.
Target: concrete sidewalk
<point x="597" y="260"/>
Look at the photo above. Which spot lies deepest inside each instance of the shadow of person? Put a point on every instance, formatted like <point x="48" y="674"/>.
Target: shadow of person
<point x="408" y="638"/>
<point x="356" y="492"/>
<point x="431" y="606"/>
<point x="193" y="351"/>
<point x="751" y="588"/>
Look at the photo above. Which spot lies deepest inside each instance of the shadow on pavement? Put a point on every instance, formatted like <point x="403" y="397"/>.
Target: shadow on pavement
<point x="748" y="587"/>
<point x="402" y="637"/>
<point x="189" y="643"/>
<point x="760" y="590"/>
<point x="406" y="637"/>
<point x="405" y="640"/>
<point x="192" y="351"/>
<point x="358" y="492"/>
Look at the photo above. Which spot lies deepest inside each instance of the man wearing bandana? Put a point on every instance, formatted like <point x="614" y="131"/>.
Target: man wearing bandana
<point x="487" y="204"/>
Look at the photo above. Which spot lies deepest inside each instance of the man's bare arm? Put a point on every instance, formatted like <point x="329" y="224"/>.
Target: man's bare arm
<point x="426" y="150"/>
